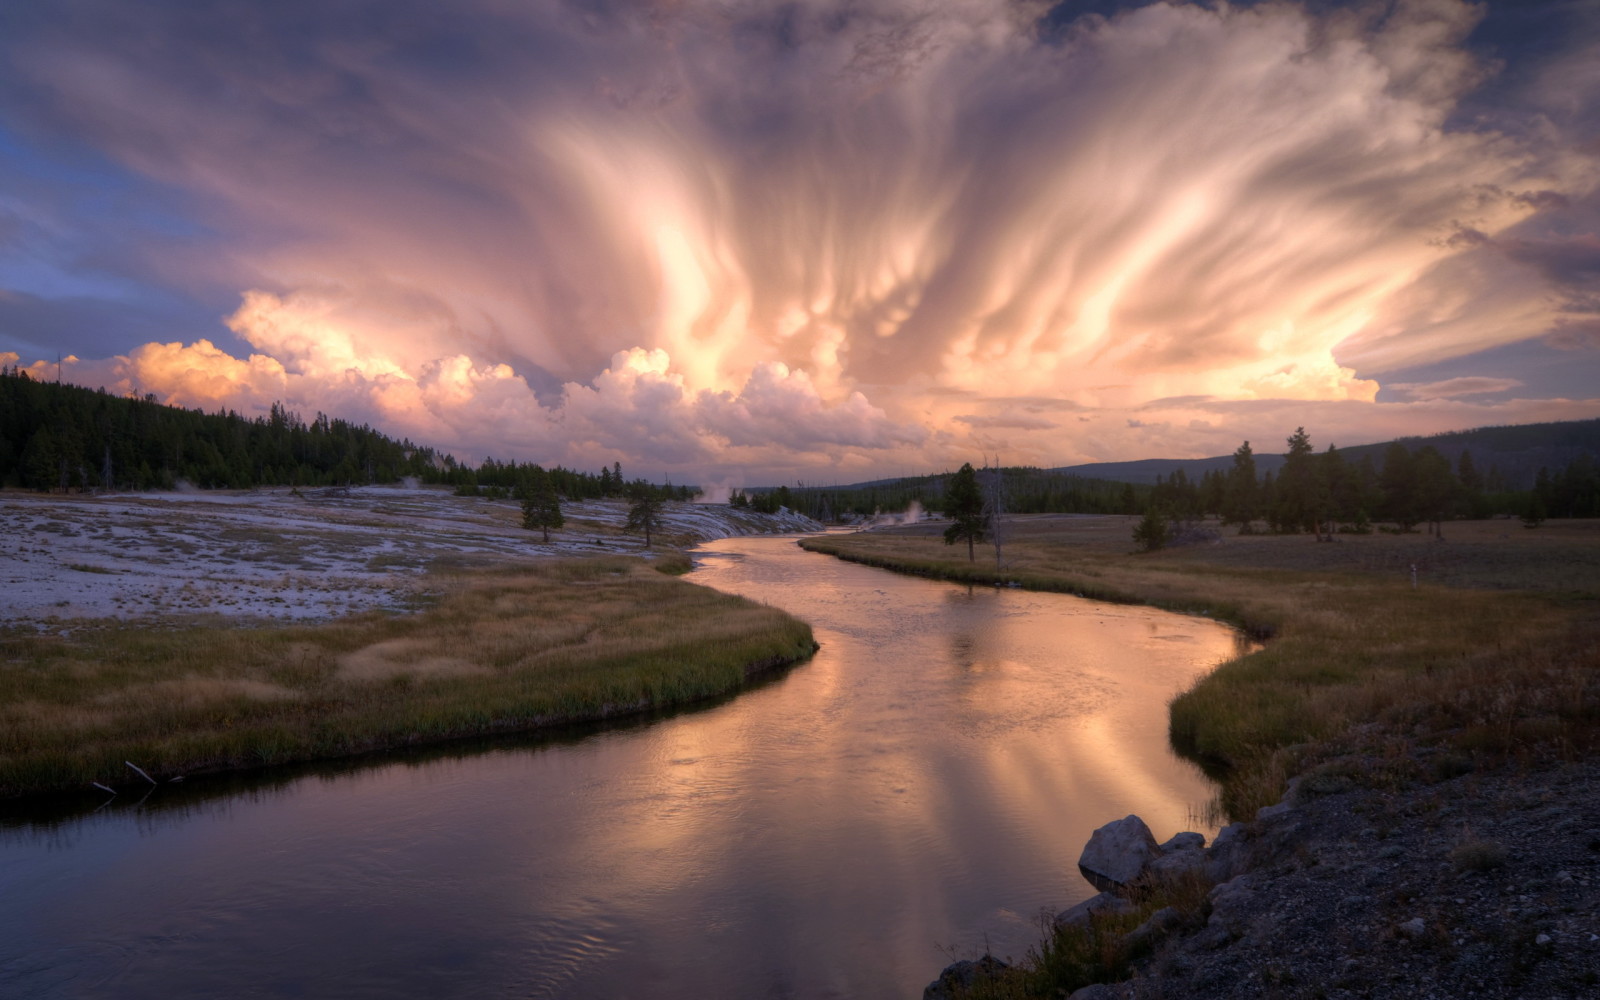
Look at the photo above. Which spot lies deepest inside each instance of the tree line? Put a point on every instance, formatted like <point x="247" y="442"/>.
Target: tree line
<point x="65" y="438"/>
<point x="1323" y="492"/>
<point x="1027" y="490"/>
<point x="56" y="437"/>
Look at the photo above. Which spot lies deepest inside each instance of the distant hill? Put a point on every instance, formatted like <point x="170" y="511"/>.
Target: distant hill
<point x="1518" y="451"/>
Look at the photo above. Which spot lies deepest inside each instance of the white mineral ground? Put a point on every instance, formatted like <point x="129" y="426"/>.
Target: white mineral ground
<point x="276" y="555"/>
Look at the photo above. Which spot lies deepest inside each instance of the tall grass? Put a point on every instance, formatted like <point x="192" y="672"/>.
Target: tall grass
<point x="508" y="649"/>
<point x="1358" y="660"/>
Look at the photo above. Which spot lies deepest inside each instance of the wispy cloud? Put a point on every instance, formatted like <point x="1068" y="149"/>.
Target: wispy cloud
<point x="702" y="234"/>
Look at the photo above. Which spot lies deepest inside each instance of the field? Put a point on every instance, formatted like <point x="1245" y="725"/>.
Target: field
<point x="1490" y="655"/>
<point x="397" y="628"/>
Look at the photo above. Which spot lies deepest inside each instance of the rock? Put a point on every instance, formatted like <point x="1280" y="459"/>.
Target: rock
<point x="1542" y="940"/>
<point x="962" y="976"/>
<point x="1177" y="863"/>
<point x="1105" y="902"/>
<point x="1095" y="991"/>
<point x="1118" y="852"/>
<point x="1161" y="923"/>
<point x="1272" y="812"/>
<point x="1184" y="842"/>
<point x="1231" y="904"/>
<point x="1183" y="853"/>
<point x="1225" y="858"/>
<point x="1412" y="929"/>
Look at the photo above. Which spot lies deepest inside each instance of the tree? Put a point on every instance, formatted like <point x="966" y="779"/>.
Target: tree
<point x="1240" y="492"/>
<point x="963" y="504"/>
<point x="1151" y="532"/>
<point x="1399" y="482"/>
<point x="645" y="513"/>
<point x="541" y="507"/>
<point x="1298" y="500"/>
<point x="1435" y="486"/>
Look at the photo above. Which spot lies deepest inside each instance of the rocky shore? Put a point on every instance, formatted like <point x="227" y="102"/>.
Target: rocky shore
<point x="1480" y="884"/>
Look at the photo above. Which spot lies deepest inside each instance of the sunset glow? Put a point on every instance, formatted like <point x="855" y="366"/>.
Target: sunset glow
<point x="751" y="242"/>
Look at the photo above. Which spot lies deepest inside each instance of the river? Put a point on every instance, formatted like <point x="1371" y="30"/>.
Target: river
<point x="919" y="789"/>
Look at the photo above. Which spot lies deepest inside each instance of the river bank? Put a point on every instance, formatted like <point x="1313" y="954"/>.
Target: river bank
<point x="1441" y="831"/>
<point x="201" y="633"/>
<point x="1459" y="659"/>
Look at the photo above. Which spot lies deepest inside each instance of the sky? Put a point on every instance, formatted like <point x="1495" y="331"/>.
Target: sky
<point x="812" y="241"/>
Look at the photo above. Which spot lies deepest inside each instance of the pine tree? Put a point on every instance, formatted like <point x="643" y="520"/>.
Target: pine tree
<point x="963" y="504"/>
<point x="645" y="513"/>
<point x="541" y="507"/>
<point x="1399" y="482"/>
<point x="1151" y="533"/>
<point x="1298" y="502"/>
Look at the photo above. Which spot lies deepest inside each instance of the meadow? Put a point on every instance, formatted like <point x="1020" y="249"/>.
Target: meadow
<point x="1488" y="654"/>
<point x="511" y="647"/>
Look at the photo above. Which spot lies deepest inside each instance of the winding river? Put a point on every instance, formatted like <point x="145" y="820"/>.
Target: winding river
<point x="920" y="789"/>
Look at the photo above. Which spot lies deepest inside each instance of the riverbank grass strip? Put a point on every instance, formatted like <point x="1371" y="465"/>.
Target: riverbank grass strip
<point x="508" y="649"/>
<point x="1357" y="661"/>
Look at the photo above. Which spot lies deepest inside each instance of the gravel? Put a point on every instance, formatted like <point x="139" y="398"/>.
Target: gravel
<point x="1485" y="885"/>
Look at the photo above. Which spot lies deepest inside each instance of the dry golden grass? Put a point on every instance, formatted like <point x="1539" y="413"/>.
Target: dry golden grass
<point x="1501" y="661"/>
<point x="505" y="649"/>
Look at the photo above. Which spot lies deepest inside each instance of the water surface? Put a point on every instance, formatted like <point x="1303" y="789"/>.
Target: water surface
<point x="922" y="787"/>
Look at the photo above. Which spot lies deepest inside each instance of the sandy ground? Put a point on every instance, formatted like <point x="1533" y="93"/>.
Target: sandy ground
<point x="285" y="556"/>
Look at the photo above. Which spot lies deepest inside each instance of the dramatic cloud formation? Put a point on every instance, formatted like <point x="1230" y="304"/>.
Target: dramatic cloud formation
<point x="824" y="235"/>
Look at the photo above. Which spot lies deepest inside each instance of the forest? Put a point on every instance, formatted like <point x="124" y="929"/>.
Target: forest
<point x="1324" y="492"/>
<point x="62" y="438"/>
<point x="1402" y="483"/>
<point x="1027" y="490"/>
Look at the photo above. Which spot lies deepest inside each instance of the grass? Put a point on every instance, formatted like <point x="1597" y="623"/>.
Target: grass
<point x="1493" y="655"/>
<point x="508" y="649"/>
<point x="1101" y="951"/>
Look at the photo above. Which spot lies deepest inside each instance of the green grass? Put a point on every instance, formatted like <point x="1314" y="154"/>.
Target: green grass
<point x="504" y="650"/>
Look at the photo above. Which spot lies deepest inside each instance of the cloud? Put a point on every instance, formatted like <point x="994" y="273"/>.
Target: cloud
<point x="1006" y="421"/>
<point x="1454" y="387"/>
<point x="315" y="358"/>
<point x="703" y="233"/>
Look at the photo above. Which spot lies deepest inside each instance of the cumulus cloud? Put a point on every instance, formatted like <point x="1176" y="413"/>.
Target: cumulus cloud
<point x="638" y="406"/>
<point x="711" y="232"/>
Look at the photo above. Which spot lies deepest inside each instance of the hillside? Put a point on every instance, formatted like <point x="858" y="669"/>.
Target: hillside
<point x="1518" y="452"/>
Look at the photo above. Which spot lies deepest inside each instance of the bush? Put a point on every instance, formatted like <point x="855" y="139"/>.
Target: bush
<point x="1150" y="533"/>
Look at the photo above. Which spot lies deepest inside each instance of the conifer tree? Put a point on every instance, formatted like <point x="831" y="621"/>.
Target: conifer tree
<point x="541" y="507"/>
<point x="645" y="513"/>
<point x="963" y="504"/>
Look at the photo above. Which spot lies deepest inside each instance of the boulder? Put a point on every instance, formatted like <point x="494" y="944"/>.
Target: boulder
<point x="1161" y="923"/>
<point x="957" y="979"/>
<point x="1118" y="852"/>
<point x="1095" y="991"/>
<point x="1225" y="858"/>
<point x="1184" y="842"/>
<point x="1105" y="902"/>
<point x="1233" y="905"/>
